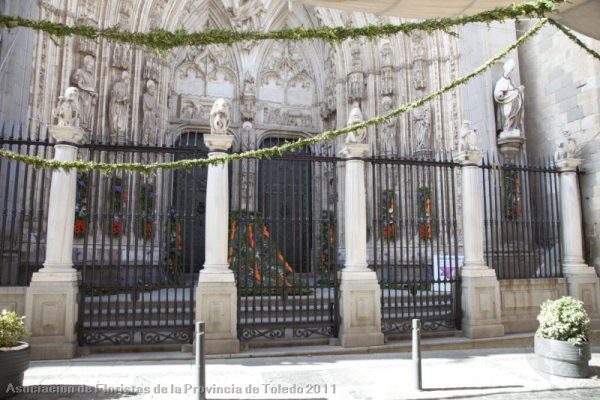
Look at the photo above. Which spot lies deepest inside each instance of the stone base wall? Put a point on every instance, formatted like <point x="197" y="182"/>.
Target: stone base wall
<point x="12" y="298"/>
<point x="521" y="300"/>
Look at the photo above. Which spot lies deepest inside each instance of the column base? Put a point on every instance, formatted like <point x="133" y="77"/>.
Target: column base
<point x="481" y="303"/>
<point x="216" y="305"/>
<point x="51" y="308"/>
<point x="360" y="309"/>
<point x="583" y="284"/>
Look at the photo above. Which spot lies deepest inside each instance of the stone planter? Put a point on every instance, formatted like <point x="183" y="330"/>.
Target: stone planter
<point x="14" y="362"/>
<point x="561" y="358"/>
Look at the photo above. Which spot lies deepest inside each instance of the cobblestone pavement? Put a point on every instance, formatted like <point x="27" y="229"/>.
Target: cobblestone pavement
<point x="478" y="374"/>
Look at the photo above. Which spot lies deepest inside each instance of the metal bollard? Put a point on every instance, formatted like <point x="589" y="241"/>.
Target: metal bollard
<point x="200" y="361"/>
<point x="416" y="354"/>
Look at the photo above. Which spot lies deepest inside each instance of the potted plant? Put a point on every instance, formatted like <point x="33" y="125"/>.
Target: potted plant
<point x="562" y="341"/>
<point x="14" y="354"/>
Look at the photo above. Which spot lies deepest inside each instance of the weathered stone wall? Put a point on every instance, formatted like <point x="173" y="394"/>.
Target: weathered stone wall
<point x="16" y="58"/>
<point x="562" y="92"/>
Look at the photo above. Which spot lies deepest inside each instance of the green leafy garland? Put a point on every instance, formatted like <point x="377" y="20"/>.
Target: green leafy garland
<point x="148" y="169"/>
<point x="574" y="38"/>
<point x="164" y="40"/>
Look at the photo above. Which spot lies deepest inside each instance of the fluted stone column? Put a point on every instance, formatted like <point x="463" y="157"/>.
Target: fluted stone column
<point x="51" y="300"/>
<point x="216" y="294"/>
<point x="480" y="289"/>
<point x="360" y="293"/>
<point x="582" y="281"/>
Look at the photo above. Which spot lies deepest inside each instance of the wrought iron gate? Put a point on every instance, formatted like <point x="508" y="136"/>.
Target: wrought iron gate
<point x="283" y="244"/>
<point x="139" y="243"/>
<point x="414" y="246"/>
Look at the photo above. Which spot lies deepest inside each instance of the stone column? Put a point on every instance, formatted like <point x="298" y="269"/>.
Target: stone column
<point x="480" y="289"/>
<point x="582" y="281"/>
<point x="216" y="294"/>
<point x="51" y="299"/>
<point x="360" y="293"/>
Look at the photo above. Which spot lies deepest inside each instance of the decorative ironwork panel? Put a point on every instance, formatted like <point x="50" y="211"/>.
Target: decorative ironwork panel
<point x="283" y="243"/>
<point x="139" y="243"/>
<point x="522" y="221"/>
<point x="413" y="241"/>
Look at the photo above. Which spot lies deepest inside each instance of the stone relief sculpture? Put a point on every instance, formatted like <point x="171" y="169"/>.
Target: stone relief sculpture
<point x="567" y="147"/>
<point x="469" y="139"/>
<point x="388" y="128"/>
<point x="67" y="109"/>
<point x="220" y="116"/>
<point x="509" y="99"/>
<point x="84" y="80"/>
<point x="118" y="115"/>
<point x="356" y="117"/>
<point x="422" y="124"/>
<point x="419" y="80"/>
<point x="246" y="16"/>
<point x="149" y="110"/>
<point x="387" y="81"/>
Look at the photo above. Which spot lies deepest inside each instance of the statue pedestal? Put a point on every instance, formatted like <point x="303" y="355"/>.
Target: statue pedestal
<point x="510" y="145"/>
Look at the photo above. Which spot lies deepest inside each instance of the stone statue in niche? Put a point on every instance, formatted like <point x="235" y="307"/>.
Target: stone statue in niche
<point x="220" y="116"/>
<point x="118" y="115"/>
<point x="84" y="80"/>
<point x="419" y="80"/>
<point x="421" y="124"/>
<point x="248" y="107"/>
<point x="125" y="12"/>
<point x="246" y="16"/>
<point x="356" y="82"/>
<point x="469" y="139"/>
<point x="121" y="56"/>
<point x="510" y="101"/>
<point x="67" y="109"/>
<point x="149" y="109"/>
<point x="386" y="54"/>
<point x="387" y="81"/>
<point x="388" y="128"/>
<point x="356" y="117"/>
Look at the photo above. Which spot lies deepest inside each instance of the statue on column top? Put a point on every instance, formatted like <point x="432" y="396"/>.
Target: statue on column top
<point x="220" y="116"/>
<point x="567" y="147"/>
<point x="67" y="109"/>
<point x="356" y="117"/>
<point x="469" y="139"/>
<point x="510" y="100"/>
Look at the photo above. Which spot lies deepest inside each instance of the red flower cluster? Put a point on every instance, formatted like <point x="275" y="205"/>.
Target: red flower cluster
<point x="80" y="227"/>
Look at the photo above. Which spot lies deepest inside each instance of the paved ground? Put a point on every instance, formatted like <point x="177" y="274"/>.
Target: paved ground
<point x="459" y="374"/>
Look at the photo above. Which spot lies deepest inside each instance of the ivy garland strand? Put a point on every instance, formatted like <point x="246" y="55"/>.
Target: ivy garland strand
<point x="574" y="38"/>
<point x="163" y="40"/>
<point x="147" y="169"/>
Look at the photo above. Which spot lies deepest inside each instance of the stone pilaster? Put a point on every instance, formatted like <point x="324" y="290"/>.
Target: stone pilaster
<point x="360" y="293"/>
<point x="582" y="281"/>
<point x="51" y="299"/>
<point x="216" y="294"/>
<point x="480" y="289"/>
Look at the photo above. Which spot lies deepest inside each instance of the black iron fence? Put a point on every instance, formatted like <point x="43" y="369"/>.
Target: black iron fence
<point x="283" y="243"/>
<point x="414" y="241"/>
<point x="522" y="220"/>
<point x="24" y="194"/>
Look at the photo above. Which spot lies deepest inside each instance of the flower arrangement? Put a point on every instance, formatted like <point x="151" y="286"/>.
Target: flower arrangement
<point x="424" y="212"/>
<point x="147" y="197"/>
<point x="81" y="200"/>
<point x="175" y="247"/>
<point x="117" y="204"/>
<point x="327" y="240"/>
<point x="388" y="214"/>
<point x="564" y="319"/>
<point x="512" y="193"/>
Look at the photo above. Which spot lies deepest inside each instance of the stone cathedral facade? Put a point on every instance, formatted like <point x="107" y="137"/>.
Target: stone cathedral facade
<point x="295" y="88"/>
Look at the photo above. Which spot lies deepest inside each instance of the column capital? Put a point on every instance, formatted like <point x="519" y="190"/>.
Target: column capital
<point x="468" y="157"/>
<point x="73" y="135"/>
<point x="568" y="164"/>
<point x="352" y="150"/>
<point x="218" y="142"/>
